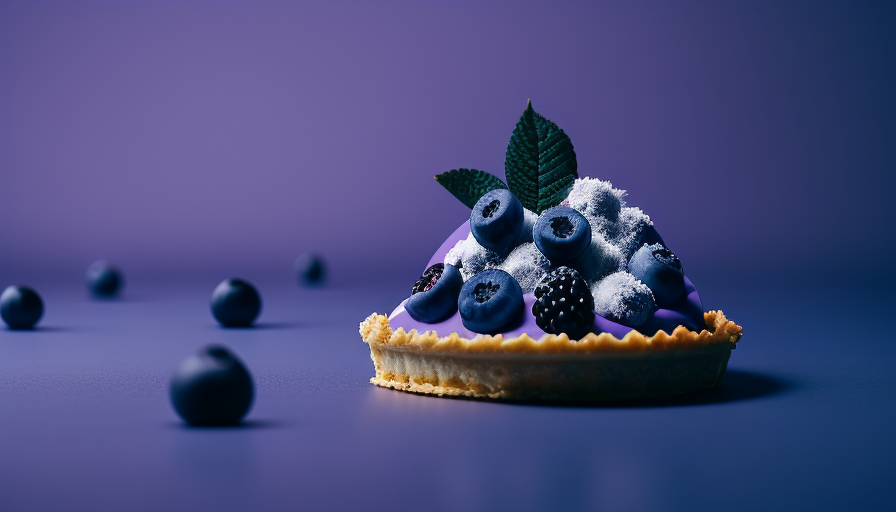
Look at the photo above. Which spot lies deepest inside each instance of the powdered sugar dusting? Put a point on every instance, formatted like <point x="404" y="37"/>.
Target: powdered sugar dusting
<point x="596" y="198"/>
<point x="634" y="229"/>
<point x="602" y="258"/>
<point x="527" y="265"/>
<point x="471" y="258"/>
<point x="623" y="298"/>
<point x="617" y="232"/>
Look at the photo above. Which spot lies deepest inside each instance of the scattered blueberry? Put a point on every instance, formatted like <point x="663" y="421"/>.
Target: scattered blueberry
<point x="310" y="269"/>
<point x="661" y="271"/>
<point x="496" y="220"/>
<point x="490" y="302"/>
<point x="562" y="234"/>
<point x="434" y="296"/>
<point x="563" y="304"/>
<point x="212" y="388"/>
<point x="235" y="303"/>
<point x="20" y="307"/>
<point x="103" y="279"/>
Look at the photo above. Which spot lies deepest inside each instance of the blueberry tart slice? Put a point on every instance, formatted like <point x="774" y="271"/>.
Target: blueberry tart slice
<point x="555" y="289"/>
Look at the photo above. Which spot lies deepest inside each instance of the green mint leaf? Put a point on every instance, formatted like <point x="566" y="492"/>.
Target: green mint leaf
<point x="521" y="160"/>
<point x="468" y="185"/>
<point x="540" y="162"/>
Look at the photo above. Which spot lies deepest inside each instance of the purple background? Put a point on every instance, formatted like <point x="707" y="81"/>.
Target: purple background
<point x="178" y="138"/>
<point x="191" y="141"/>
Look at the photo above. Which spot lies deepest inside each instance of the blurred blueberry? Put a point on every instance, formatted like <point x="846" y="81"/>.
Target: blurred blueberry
<point x="562" y="234"/>
<point x="490" y="302"/>
<point x="434" y="296"/>
<point x="212" y="388"/>
<point x="496" y="220"/>
<point x="310" y="269"/>
<point x="103" y="279"/>
<point x="20" y="307"/>
<point x="658" y="268"/>
<point x="235" y="303"/>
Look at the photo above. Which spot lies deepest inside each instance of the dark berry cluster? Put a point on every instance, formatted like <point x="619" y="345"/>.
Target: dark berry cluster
<point x="564" y="304"/>
<point x="434" y="296"/>
<point x="429" y="278"/>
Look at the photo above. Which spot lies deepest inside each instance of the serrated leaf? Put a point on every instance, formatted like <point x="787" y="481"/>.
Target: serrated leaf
<point x="521" y="160"/>
<point x="468" y="185"/>
<point x="540" y="162"/>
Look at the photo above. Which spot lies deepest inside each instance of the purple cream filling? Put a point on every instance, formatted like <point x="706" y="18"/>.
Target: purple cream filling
<point x="689" y="311"/>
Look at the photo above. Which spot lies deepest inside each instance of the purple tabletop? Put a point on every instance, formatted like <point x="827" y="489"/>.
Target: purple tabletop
<point x="203" y="140"/>
<point x="803" y="419"/>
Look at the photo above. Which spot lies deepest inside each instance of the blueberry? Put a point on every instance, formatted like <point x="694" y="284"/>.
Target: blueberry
<point x="435" y="294"/>
<point x="661" y="271"/>
<point x="496" y="220"/>
<point x="490" y="302"/>
<point x="103" y="279"/>
<point x="235" y="303"/>
<point x="20" y="307"/>
<point x="562" y="234"/>
<point x="310" y="269"/>
<point x="212" y="388"/>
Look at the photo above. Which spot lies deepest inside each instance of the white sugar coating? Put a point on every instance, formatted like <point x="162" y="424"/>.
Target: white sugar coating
<point x="617" y="231"/>
<point x="606" y="228"/>
<point x="601" y="259"/>
<point x="631" y="230"/>
<point x="623" y="298"/>
<point x="456" y="253"/>
<point x="527" y="265"/>
<point x="596" y="198"/>
<point x="471" y="258"/>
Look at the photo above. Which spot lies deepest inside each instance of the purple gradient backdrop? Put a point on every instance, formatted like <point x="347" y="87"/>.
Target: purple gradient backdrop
<point x="225" y="138"/>
<point x="196" y="140"/>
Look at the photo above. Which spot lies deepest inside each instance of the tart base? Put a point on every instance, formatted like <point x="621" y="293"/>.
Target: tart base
<point x="597" y="367"/>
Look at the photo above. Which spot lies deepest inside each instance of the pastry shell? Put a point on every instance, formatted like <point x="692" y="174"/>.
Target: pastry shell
<point x="597" y="367"/>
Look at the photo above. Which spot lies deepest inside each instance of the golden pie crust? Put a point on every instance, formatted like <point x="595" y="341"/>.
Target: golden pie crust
<point x="597" y="367"/>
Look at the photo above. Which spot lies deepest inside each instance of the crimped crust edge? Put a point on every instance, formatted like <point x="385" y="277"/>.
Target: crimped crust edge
<point x="375" y="329"/>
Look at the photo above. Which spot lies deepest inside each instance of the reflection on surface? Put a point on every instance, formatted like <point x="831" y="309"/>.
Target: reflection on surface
<point x="737" y="385"/>
<point x="217" y="461"/>
<point x="500" y="456"/>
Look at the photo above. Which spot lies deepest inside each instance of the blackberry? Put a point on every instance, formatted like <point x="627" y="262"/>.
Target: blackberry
<point x="564" y="304"/>
<point x="429" y="278"/>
